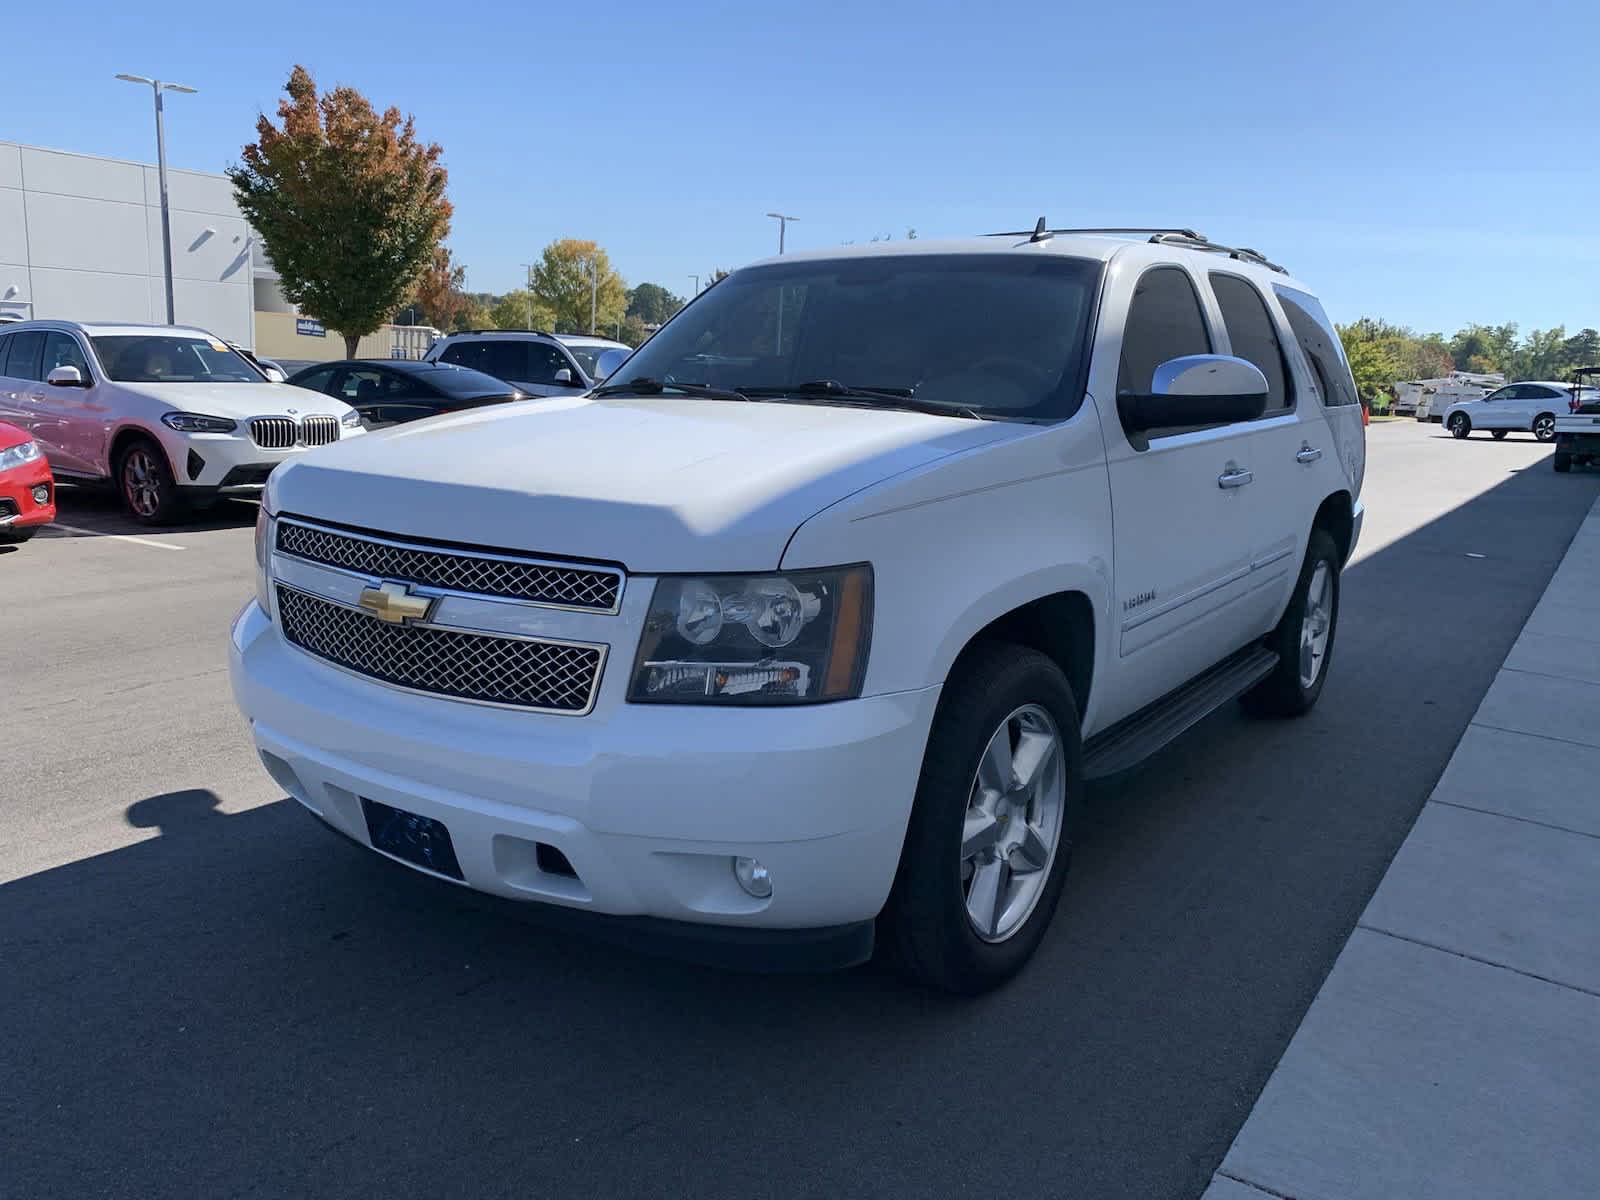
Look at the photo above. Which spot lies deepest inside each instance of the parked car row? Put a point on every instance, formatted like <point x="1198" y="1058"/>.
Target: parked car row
<point x="174" y="417"/>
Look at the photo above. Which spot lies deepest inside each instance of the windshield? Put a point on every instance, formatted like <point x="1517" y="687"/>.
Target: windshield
<point x="163" y="358"/>
<point x="998" y="335"/>
<point x="587" y="356"/>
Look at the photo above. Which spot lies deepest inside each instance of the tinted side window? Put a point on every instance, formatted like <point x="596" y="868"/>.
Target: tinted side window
<point x="1164" y="321"/>
<point x="543" y="363"/>
<point x="23" y="361"/>
<point x="5" y="348"/>
<point x="318" y="380"/>
<point x="1317" y="338"/>
<point x="62" y="350"/>
<point x="1249" y="326"/>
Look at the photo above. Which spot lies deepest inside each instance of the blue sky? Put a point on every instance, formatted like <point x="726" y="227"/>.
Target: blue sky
<point x="1427" y="161"/>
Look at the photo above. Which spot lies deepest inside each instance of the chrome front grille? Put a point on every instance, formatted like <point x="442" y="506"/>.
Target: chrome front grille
<point x="284" y="433"/>
<point x="480" y="574"/>
<point x="273" y="433"/>
<point x="319" y="431"/>
<point x="519" y="672"/>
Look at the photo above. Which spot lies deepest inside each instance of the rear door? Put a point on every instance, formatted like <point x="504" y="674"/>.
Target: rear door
<point x="76" y="416"/>
<point x="1181" y="501"/>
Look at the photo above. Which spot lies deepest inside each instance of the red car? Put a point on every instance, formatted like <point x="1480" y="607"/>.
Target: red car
<point x="27" y="489"/>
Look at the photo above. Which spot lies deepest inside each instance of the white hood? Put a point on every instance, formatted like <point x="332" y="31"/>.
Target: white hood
<point x="658" y="484"/>
<point x="239" y="400"/>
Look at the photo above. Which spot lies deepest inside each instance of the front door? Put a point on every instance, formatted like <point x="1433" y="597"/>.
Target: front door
<point x="1182" y="504"/>
<point x="75" y="414"/>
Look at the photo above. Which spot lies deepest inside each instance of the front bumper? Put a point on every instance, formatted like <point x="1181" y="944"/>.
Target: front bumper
<point x="227" y="461"/>
<point x="18" y="508"/>
<point x="648" y="803"/>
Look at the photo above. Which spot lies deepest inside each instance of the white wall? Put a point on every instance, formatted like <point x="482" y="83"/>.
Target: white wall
<point x="80" y="239"/>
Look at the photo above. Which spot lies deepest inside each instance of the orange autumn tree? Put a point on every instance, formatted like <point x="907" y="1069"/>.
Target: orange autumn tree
<point x="351" y="205"/>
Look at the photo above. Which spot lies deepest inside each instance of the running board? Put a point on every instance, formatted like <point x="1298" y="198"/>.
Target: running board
<point x="1136" y="738"/>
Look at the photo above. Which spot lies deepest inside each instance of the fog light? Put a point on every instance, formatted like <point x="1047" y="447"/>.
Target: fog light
<point x="41" y="495"/>
<point x="752" y="876"/>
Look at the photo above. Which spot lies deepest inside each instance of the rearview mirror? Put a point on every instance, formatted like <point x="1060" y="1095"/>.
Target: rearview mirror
<point x="608" y="361"/>
<point x="65" y="377"/>
<point x="1197" y="389"/>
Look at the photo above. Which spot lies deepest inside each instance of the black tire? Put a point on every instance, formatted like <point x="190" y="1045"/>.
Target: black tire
<point x="1460" y="425"/>
<point x="1499" y="434"/>
<point x="925" y="923"/>
<point x="15" y="537"/>
<point x="1544" y="427"/>
<point x="1283" y="693"/>
<point x="1563" y="462"/>
<point x="145" y="483"/>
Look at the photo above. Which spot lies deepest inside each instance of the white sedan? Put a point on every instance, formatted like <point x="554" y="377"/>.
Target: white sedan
<point x="1529" y="407"/>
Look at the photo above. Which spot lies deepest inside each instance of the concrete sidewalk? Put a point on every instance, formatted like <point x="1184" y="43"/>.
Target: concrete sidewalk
<point x="1454" y="1049"/>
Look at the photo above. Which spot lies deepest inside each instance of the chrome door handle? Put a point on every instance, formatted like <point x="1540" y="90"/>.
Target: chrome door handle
<point x="1308" y="454"/>
<point x="1234" y="477"/>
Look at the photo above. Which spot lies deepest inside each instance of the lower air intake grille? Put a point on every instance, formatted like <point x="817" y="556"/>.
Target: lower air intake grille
<point x="465" y="666"/>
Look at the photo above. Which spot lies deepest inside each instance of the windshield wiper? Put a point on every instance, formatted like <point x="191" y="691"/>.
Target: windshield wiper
<point x="658" y="387"/>
<point x="883" y="397"/>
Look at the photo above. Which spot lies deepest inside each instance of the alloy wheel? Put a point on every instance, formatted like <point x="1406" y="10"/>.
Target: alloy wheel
<point x="1013" y="823"/>
<point x="1317" y="624"/>
<point x="141" y="482"/>
<point x="1544" y="429"/>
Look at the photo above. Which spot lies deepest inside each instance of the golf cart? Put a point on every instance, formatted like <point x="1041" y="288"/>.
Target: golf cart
<point x="1578" y="433"/>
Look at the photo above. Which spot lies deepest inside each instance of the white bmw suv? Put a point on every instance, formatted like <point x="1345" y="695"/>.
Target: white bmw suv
<point x="171" y="415"/>
<point x="808" y="626"/>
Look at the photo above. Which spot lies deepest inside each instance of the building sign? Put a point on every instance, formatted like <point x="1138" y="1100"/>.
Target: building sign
<point x="306" y="327"/>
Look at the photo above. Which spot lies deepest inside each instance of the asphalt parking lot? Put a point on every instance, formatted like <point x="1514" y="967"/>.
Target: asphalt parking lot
<point x="204" y="993"/>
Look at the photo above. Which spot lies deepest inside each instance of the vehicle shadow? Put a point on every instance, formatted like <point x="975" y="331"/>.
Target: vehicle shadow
<point x="87" y="511"/>
<point x="241" y="1002"/>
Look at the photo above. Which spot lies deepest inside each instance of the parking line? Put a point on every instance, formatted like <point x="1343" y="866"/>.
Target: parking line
<point x="121" y="537"/>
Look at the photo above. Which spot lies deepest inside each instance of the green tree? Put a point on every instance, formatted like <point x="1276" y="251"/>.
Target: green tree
<point x="1583" y="349"/>
<point x="521" y="310"/>
<point x="568" y="275"/>
<point x="351" y="206"/>
<point x="1368" y="346"/>
<point x="1489" y="346"/>
<point x="653" y="304"/>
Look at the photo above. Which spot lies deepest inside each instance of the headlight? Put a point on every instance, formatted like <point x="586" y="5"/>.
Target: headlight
<point x="185" y="422"/>
<point x="263" y="546"/>
<point x="17" y="455"/>
<point x="793" y="638"/>
<point x="351" y="420"/>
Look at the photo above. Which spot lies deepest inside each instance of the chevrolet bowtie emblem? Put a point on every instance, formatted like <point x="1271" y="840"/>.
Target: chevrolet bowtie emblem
<point x="394" y="603"/>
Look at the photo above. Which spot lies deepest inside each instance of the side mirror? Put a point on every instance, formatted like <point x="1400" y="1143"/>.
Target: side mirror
<point x="66" y="377"/>
<point x="608" y="361"/>
<point x="564" y="375"/>
<point x="1197" y="389"/>
<point x="274" y="375"/>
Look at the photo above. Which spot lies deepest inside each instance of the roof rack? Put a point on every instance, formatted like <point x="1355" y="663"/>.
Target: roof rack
<point x="459" y="332"/>
<point x="1187" y="238"/>
<point x="1241" y="253"/>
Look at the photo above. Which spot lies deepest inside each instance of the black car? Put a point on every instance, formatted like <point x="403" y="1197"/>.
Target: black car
<point x="388" y="391"/>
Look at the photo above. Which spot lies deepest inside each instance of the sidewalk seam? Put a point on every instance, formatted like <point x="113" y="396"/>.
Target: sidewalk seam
<point x="1255" y="1187"/>
<point x="1488" y="962"/>
<point x="1529" y="733"/>
<point x="1489" y="812"/>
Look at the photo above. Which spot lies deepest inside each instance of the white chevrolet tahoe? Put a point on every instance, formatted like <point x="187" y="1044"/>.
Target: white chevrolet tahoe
<point x="808" y="627"/>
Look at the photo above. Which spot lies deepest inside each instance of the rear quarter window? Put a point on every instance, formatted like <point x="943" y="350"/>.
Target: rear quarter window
<point x="1320" y="342"/>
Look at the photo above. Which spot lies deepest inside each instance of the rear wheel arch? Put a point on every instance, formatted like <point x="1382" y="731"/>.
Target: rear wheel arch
<point x="1336" y="516"/>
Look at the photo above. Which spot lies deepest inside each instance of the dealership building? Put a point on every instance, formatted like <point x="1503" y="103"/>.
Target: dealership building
<point x="80" y="240"/>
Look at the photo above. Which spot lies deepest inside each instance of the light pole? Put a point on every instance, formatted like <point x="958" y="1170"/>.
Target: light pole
<point x="783" y="225"/>
<point x="594" y="291"/>
<point x="157" y="87"/>
<point x="696" y="279"/>
<point x="529" y="268"/>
